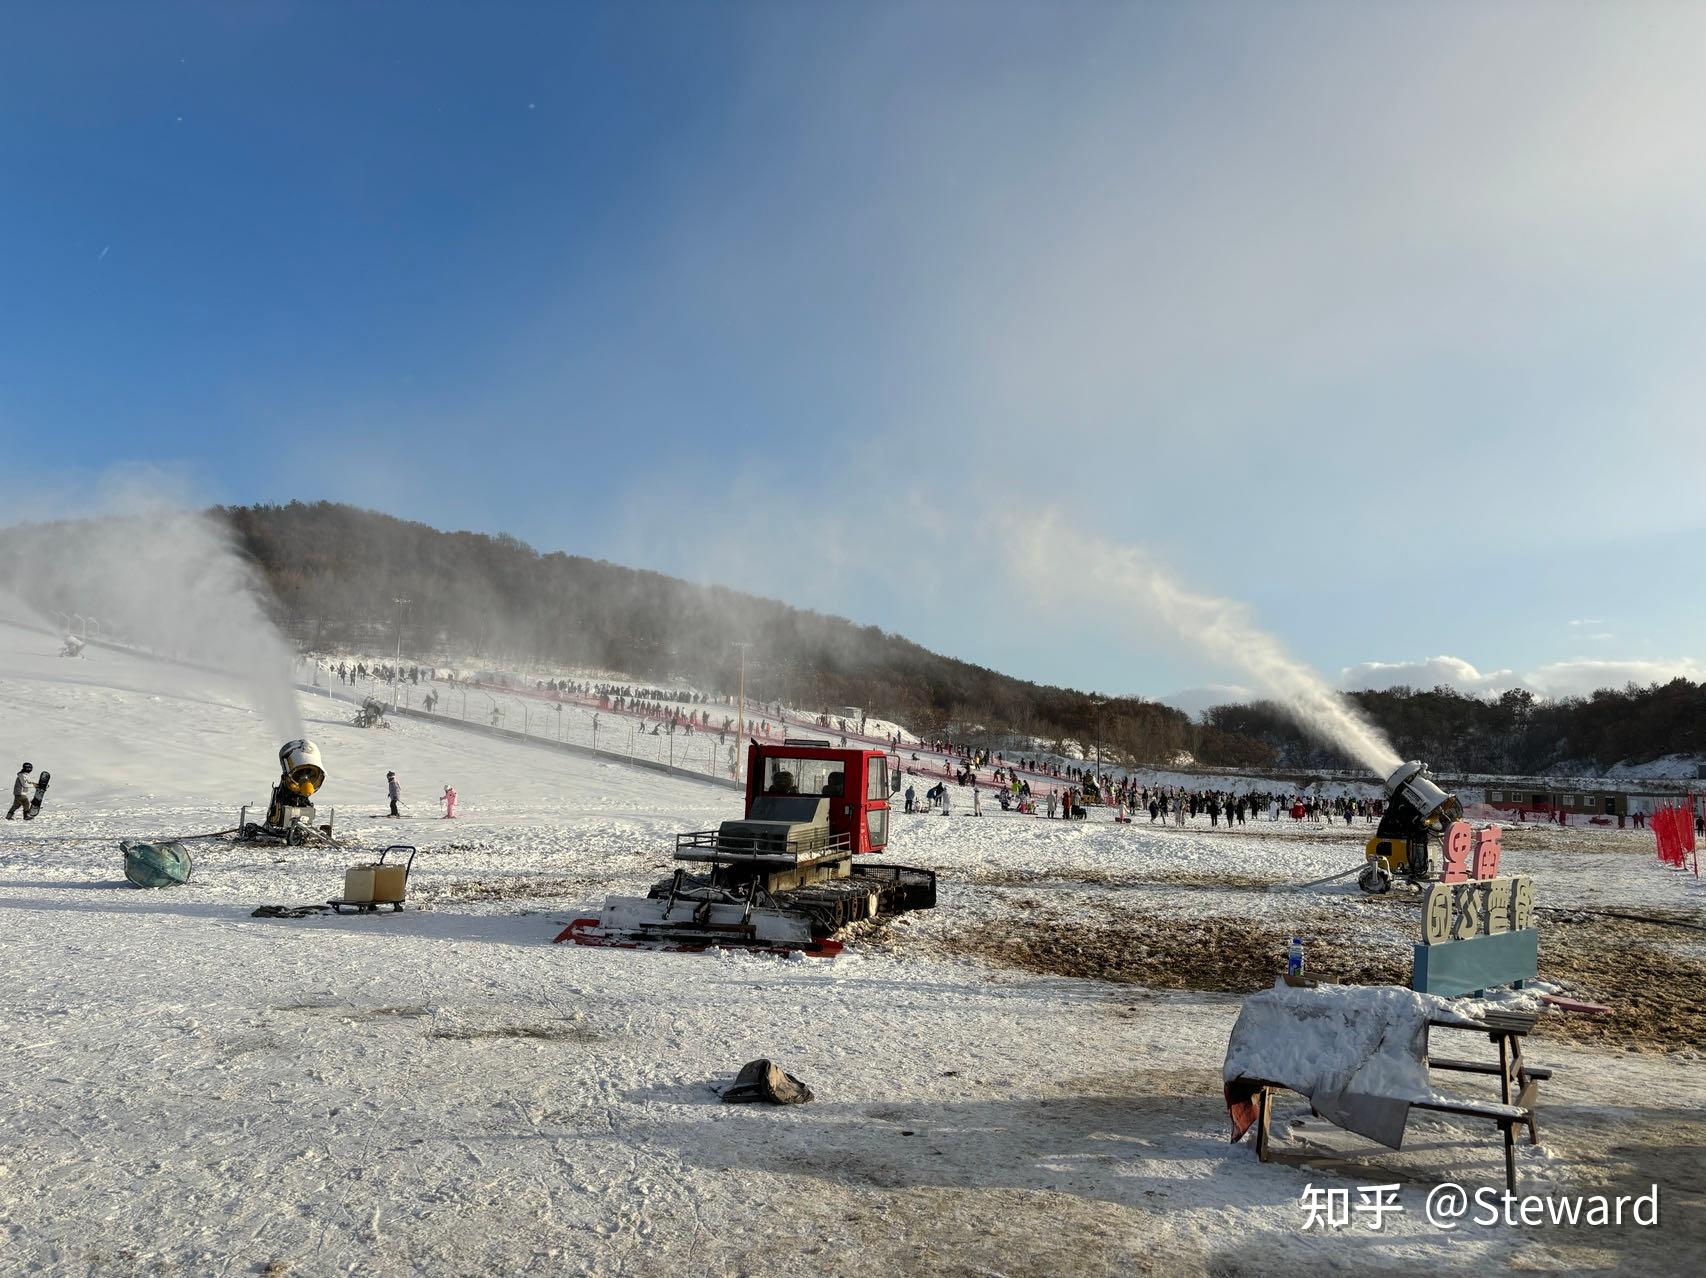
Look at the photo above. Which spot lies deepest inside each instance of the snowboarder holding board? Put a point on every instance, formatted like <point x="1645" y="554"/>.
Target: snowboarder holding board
<point x="22" y="785"/>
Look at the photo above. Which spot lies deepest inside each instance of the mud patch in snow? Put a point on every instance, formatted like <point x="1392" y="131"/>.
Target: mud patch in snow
<point x="1655" y="989"/>
<point x="552" y="1032"/>
<point x="1168" y="952"/>
<point x="344" y="1012"/>
<point x="520" y="888"/>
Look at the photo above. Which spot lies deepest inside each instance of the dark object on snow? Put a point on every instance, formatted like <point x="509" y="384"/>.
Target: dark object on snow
<point x="764" y="1080"/>
<point x="31" y="812"/>
<point x="289" y="911"/>
<point x="156" y="865"/>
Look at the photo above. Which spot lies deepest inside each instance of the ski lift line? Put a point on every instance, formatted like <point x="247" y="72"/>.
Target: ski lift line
<point x="543" y="742"/>
<point x="934" y="759"/>
<point x="783" y="720"/>
<point x="931" y="762"/>
<point x="589" y="703"/>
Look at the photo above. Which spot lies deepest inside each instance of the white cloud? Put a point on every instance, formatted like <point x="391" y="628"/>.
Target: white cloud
<point x="1553" y="680"/>
<point x="1193" y="701"/>
<point x="1453" y="672"/>
<point x="1577" y="678"/>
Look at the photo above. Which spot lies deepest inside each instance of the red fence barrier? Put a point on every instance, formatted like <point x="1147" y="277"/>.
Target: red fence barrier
<point x="1673" y="827"/>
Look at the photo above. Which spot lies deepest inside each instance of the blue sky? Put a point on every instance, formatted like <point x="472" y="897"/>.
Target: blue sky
<point x="1386" y="320"/>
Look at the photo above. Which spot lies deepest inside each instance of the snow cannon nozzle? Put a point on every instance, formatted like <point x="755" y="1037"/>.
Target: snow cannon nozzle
<point x="300" y="763"/>
<point x="1412" y="784"/>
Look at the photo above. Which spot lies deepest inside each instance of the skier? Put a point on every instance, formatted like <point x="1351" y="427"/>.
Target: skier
<point x="976" y="801"/>
<point x="21" y="787"/>
<point x="449" y="797"/>
<point x="911" y="799"/>
<point x="394" y="790"/>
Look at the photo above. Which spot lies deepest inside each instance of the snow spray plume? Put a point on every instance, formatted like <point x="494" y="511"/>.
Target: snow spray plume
<point x="1127" y="579"/>
<point x="19" y="613"/>
<point x="166" y="580"/>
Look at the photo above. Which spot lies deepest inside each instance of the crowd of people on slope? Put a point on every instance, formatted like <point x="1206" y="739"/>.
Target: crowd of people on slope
<point x="1180" y="804"/>
<point x="351" y="671"/>
<point x="1089" y="786"/>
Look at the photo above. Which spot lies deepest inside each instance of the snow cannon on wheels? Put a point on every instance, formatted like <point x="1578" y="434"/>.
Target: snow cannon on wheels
<point x="1415" y="807"/>
<point x="290" y="813"/>
<point x="787" y="876"/>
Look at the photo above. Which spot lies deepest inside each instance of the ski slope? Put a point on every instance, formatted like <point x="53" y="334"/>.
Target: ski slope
<point x="443" y="1091"/>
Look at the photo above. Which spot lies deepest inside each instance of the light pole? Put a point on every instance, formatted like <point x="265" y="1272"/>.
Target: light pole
<point x="396" y="670"/>
<point x="740" y="719"/>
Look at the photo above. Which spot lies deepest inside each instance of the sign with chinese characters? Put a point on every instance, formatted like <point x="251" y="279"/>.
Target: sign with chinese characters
<point x="1477" y="926"/>
<point x="1470" y="853"/>
<point x="1479" y="907"/>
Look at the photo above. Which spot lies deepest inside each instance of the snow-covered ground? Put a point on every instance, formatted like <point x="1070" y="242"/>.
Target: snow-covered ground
<point x="196" y="1091"/>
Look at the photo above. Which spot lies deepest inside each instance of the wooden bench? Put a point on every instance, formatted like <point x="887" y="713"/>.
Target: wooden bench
<point x="1519" y="1082"/>
<point x="1506" y="1116"/>
<point x="1519" y="1085"/>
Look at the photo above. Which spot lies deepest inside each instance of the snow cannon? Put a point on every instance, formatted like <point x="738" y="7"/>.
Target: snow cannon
<point x="290" y="813"/>
<point x="1415" y="808"/>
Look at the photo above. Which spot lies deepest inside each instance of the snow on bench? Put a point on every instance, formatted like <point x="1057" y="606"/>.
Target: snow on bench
<point x="1360" y="1056"/>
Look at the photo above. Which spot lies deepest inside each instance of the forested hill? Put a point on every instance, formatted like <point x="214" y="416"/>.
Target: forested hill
<point x="1514" y="734"/>
<point x="335" y="571"/>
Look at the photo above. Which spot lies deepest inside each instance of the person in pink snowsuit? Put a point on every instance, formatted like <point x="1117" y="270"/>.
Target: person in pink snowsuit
<point x="449" y="797"/>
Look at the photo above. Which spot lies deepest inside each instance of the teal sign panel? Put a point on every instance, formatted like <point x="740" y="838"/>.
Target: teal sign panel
<point x="1479" y="963"/>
